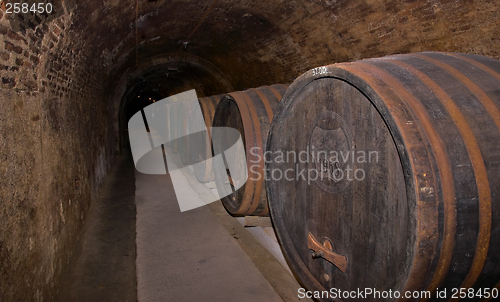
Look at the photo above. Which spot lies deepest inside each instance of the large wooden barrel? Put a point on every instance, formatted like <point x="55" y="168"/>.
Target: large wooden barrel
<point x="190" y="146"/>
<point x="396" y="184"/>
<point x="184" y="120"/>
<point x="202" y="157"/>
<point x="251" y="112"/>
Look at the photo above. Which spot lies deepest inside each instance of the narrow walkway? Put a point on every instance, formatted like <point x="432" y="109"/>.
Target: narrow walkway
<point x="189" y="256"/>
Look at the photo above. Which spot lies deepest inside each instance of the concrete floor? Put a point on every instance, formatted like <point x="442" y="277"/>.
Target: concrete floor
<point x="138" y="246"/>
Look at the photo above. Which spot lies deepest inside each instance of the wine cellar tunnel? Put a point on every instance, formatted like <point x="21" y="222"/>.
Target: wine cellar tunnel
<point x="71" y="79"/>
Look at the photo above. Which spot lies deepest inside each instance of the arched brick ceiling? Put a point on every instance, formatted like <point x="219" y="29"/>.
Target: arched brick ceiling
<point x="258" y="42"/>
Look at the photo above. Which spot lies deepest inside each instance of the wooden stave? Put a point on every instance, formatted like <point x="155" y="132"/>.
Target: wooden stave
<point x="343" y="71"/>
<point x="258" y="104"/>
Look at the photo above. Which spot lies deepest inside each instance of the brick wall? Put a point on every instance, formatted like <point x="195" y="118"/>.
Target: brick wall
<point x="55" y="146"/>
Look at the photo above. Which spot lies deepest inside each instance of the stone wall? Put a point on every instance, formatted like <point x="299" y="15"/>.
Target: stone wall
<point x="55" y="149"/>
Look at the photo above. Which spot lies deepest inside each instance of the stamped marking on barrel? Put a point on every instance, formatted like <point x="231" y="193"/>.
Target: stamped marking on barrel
<point x="325" y="250"/>
<point x="331" y="152"/>
<point x="319" y="70"/>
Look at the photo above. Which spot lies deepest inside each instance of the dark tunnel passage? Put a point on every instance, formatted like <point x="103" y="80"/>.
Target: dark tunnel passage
<point x="170" y="75"/>
<point x="70" y="80"/>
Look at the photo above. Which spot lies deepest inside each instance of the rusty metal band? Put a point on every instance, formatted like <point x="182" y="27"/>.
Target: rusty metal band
<point x="250" y="140"/>
<point x="266" y="103"/>
<point x="468" y="138"/>
<point x="275" y="92"/>
<point x="284" y="86"/>
<point x="270" y="115"/>
<point x="208" y="119"/>
<point x="485" y="68"/>
<point x="206" y="109"/>
<point x="211" y="109"/>
<point x="208" y="139"/>
<point x="208" y="112"/>
<point x="258" y="140"/>
<point x="215" y="100"/>
<point x="475" y="89"/>
<point x="479" y="167"/>
<point x="417" y="274"/>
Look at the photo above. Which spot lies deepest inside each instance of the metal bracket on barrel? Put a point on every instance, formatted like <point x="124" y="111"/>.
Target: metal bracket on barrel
<point x="325" y="251"/>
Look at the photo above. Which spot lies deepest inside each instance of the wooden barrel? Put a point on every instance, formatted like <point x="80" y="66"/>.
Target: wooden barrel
<point x="398" y="185"/>
<point x="251" y="112"/>
<point x="202" y="157"/>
